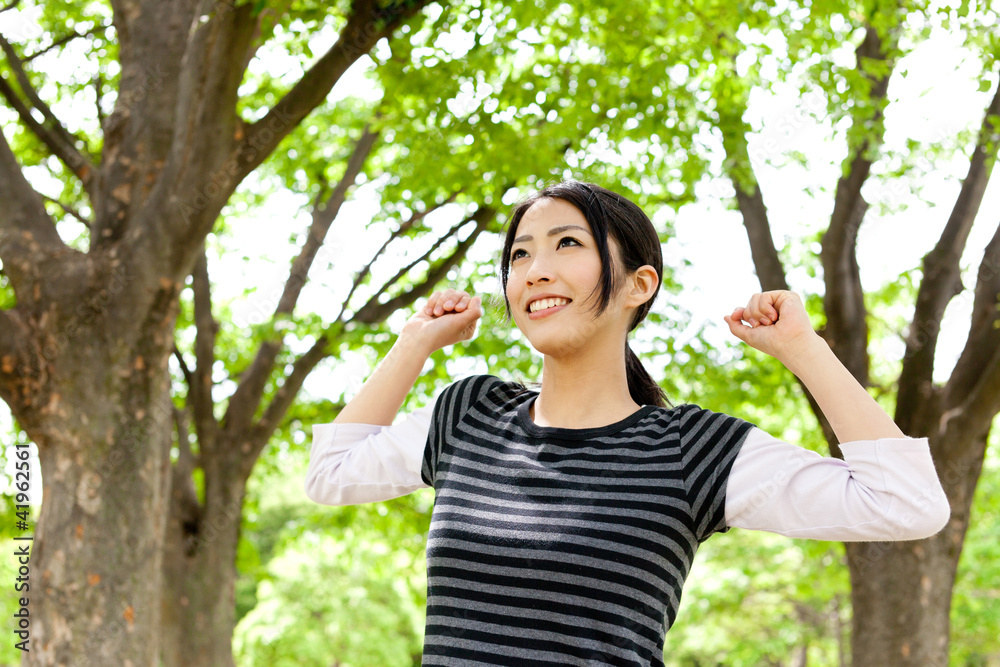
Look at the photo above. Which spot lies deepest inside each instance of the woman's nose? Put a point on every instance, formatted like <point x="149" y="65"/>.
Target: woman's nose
<point x="538" y="271"/>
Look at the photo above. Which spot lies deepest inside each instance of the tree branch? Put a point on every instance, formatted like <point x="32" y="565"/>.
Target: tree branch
<point x="180" y="72"/>
<point x="185" y="507"/>
<point x="64" y="40"/>
<point x="25" y="227"/>
<point x="69" y="210"/>
<point x="765" y="256"/>
<point x="984" y="332"/>
<point x="188" y="196"/>
<point x="373" y="299"/>
<point x="967" y="425"/>
<point x="98" y="94"/>
<point x="326" y="212"/>
<point x="366" y="25"/>
<point x="373" y="312"/>
<point x="51" y="141"/>
<point x="285" y="395"/>
<point x="200" y="380"/>
<point x="984" y="400"/>
<point x="283" y="398"/>
<point x="942" y="280"/>
<point x="322" y="217"/>
<point x="185" y="369"/>
<point x="186" y="461"/>
<point x="739" y="168"/>
<point x="56" y="136"/>
<point x="846" y="329"/>
<point x="403" y="228"/>
<point x="248" y="395"/>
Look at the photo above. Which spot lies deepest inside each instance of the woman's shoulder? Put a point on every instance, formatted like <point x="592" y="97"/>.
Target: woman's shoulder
<point x="482" y="394"/>
<point x="680" y="410"/>
<point x="693" y="415"/>
<point x="483" y="383"/>
<point x="471" y="388"/>
<point x="475" y="382"/>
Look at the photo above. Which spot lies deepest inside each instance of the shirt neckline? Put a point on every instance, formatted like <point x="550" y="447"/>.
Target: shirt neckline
<point x="524" y="419"/>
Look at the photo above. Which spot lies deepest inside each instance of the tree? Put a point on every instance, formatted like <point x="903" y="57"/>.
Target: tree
<point x="85" y="349"/>
<point x="145" y="488"/>
<point x="890" y="624"/>
<point x="150" y="522"/>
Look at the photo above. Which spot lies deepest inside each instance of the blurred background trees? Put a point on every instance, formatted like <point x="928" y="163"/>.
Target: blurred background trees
<point x="249" y="199"/>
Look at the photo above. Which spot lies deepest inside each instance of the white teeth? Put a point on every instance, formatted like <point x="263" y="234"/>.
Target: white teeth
<point x="542" y="304"/>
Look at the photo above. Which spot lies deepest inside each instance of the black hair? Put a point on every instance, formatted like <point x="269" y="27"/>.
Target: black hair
<point x="638" y="243"/>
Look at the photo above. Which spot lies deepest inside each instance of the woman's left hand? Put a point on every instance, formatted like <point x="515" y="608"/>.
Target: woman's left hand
<point x="779" y="325"/>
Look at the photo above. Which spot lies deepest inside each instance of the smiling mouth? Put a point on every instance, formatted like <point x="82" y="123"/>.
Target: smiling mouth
<point x="548" y="305"/>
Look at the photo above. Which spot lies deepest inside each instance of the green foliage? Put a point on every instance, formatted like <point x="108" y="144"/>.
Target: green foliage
<point x="975" y="612"/>
<point x="7" y="297"/>
<point x="340" y="599"/>
<point x="321" y="584"/>
<point x="474" y="98"/>
<point x="754" y="598"/>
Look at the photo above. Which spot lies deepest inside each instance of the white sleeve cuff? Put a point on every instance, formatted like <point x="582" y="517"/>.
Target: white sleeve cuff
<point x="883" y="490"/>
<point x="350" y="464"/>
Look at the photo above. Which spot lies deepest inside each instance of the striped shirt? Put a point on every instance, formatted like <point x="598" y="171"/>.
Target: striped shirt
<point x="564" y="546"/>
<point x="557" y="546"/>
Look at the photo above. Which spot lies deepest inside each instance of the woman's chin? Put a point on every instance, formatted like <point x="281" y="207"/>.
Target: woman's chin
<point x="552" y="346"/>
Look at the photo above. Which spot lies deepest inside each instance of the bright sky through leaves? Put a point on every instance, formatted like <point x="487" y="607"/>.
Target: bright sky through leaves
<point x="938" y="97"/>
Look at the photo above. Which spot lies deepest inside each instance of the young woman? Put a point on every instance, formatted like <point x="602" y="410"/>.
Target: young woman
<point x="566" y="519"/>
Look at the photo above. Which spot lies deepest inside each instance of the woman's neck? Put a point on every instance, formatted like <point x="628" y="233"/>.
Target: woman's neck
<point x="583" y="393"/>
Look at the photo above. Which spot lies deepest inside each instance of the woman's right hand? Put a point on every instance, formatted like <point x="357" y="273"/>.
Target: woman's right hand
<point x="450" y="316"/>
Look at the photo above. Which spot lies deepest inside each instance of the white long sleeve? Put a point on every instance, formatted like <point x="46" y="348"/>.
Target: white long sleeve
<point x="352" y="464"/>
<point x="885" y="489"/>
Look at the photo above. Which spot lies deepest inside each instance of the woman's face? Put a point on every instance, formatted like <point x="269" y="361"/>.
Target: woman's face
<point x="555" y="253"/>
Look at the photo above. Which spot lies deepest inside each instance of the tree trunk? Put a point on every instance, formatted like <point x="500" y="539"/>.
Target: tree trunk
<point x="84" y="353"/>
<point x="103" y="431"/>
<point x="907" y="586"/>
<point x="97" y="548"/>
<point x="199" y="594"/>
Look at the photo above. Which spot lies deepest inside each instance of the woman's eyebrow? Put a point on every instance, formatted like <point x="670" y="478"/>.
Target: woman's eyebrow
<point x="551" y="232"/>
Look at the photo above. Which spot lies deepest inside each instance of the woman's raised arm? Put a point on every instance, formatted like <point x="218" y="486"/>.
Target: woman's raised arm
<point x="447" y="318"/>
<point x="886" y="488"/>
<point x="362" y="456"/>
<point x="780" y="327"/>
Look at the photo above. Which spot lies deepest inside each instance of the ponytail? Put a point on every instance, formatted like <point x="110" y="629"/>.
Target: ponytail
<point x="641" y="386"/>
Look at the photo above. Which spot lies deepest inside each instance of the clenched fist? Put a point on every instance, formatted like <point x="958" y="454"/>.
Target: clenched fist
<point x="778" y="325"/>
<point x="448" y="317"/>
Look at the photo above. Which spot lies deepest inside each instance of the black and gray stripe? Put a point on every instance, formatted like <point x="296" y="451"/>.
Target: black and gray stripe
<point x="554" y="546"/>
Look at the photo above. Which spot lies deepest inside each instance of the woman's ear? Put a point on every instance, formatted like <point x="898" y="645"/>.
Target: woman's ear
<point x="645" y="282"/>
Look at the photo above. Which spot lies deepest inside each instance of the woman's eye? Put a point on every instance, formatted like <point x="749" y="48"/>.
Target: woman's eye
<point x="514" y="255"/>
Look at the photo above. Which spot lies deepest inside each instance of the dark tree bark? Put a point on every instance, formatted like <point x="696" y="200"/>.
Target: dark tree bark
<point x="174" y="152"/>
<point x="901" y="591"/>
<point x="202" y="537"/>
<point x="83" y="354"/>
